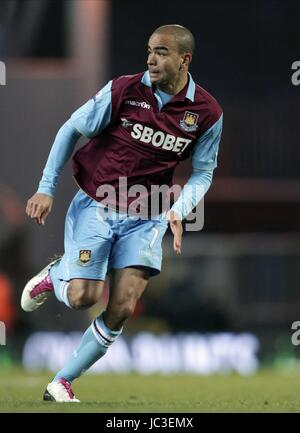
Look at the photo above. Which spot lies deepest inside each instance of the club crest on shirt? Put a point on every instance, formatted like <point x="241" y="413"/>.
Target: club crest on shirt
<point x="189" y="121"/>
<point x="84" y="257"/>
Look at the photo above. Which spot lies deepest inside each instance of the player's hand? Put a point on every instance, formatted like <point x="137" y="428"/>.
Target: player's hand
<point x="177" y="230"/>
<point x="38" y="207"/>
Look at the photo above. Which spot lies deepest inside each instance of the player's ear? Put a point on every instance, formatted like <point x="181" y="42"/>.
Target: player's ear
<point x="182" y="62"/>
<point x="187" y="59"/>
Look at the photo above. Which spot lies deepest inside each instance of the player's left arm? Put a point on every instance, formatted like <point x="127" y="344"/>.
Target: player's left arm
<point x="204" y="161"/>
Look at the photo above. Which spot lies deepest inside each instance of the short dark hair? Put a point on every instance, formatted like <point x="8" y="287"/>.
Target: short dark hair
<point x="183" y="36"/>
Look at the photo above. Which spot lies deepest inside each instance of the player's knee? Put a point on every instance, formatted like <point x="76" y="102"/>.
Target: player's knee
<point x="77" y="298"/>
<point x="82" y="295"/>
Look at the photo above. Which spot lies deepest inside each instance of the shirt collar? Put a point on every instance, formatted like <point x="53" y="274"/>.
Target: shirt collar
<point x="190" y="93"/>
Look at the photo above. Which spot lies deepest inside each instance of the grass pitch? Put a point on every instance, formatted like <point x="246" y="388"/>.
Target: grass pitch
<point x="264" y="392"/>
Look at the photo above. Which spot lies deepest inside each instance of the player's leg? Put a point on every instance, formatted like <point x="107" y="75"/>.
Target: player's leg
<point x="126" y="286"/>
<point x="79" y="272"/>
<point x="76" y="293"/>
<point x="134" y="257"/>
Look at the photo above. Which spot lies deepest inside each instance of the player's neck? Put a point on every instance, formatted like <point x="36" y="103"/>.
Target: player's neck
<point x="173" y="88"/>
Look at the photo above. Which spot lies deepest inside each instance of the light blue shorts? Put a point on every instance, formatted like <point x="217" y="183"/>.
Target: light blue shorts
<point x="98" y="239"/>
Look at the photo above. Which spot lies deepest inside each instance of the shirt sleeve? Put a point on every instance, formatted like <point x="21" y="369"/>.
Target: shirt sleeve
<point x="89" y="120"/>
<point x="204" y="161"/>
<point x="61" y="151"/>
<point x="92" y="117"/>
<point x="206" y="149"/>
<point x="193" y="191"/>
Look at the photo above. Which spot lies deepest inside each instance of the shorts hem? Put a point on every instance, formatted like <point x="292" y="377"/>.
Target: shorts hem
<point x="86" y="277"/>
<point x="153" y="271"/>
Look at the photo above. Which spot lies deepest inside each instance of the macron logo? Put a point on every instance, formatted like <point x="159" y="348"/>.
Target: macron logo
<point x="138" y="104"/>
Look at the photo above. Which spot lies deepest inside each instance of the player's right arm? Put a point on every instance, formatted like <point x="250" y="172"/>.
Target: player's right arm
<point x="89" y="120"/>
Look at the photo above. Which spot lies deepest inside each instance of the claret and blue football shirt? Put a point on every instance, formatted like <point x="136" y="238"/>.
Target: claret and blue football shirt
<point x="139" y="134"/>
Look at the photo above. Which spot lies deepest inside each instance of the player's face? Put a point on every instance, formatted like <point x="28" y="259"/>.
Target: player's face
<point x="164" y="61"/>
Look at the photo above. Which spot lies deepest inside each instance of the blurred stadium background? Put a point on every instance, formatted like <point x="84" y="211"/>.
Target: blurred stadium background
<point x="228" y="303"/>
